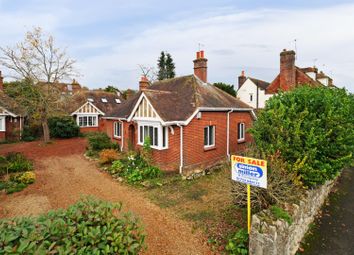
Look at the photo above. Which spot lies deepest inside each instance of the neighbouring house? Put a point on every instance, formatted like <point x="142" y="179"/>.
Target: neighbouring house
<point x="191" y="123"/>
<point x="11" y="116"/>
<point x="88" y="108"/>
<point x="252" y="91"/>
<point x="69" y="89"/>
<point x="289" y="77"/>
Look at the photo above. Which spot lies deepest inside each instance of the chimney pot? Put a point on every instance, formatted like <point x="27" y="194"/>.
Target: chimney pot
<point x="200" y="66"/>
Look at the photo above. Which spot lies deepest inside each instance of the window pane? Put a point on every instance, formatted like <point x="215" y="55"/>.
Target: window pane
<point x="151" y="134"/>
<point x="156" y="136"/>
<point x="164" y="136"/>
<point x="206" y="136"/>
<point x="90" y="120"/>
<point x="94" y="120"/>
<point x="80" y="121"/>
<point x="119" y="131"/>
<point x="211" y="135"/>
<point x="85" y="121"/>
<point x="141" y="135"/>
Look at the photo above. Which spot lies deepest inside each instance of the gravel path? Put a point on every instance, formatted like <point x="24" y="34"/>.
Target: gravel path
<point x="63" y="175"/>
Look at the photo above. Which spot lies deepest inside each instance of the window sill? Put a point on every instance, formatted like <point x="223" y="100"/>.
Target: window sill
<point x="117" y="137"/>
<point x="209" y="148"/>
<point x="88" y="126"/>
<point x="241" y="141"/>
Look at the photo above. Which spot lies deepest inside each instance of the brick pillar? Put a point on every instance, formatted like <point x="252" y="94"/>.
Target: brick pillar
<point x="287" y="70"/>
<point x="200" y="66"/>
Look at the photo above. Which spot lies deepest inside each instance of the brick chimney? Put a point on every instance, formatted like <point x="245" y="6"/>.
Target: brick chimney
<point x="1" y="82"/>
<point x="143" y="83"/>
<point x="241" y="79"/>
<point x="287" y="70"/>
<point x="200" y="66"/>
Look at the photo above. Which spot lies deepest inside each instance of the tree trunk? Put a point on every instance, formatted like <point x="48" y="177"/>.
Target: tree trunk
<point x="46" y="135"/>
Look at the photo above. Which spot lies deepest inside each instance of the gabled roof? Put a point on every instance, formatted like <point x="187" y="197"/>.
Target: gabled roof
<point x="259" y="83"/>
<point x="11" y="105"/>
<point x="177" y="99"/>
<point x="104" y="101"/>
<point x="300" y="77"/>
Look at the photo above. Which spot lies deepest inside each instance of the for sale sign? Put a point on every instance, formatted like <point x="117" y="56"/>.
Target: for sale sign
<point x="249" y="171"/>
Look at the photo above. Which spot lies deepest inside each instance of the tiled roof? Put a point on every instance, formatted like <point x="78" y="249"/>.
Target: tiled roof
<point x="262" y="84"/>
<point x="177" y="98"/>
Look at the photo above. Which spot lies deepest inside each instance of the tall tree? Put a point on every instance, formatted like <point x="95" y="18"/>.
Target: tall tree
<point x="170" y="67"/>
<point x="38" y="61"/>
<point x="166" y="66"/>
<point x="226" y="87"/>
<point x="111" y="89"/>
<point x="161" y="66"/>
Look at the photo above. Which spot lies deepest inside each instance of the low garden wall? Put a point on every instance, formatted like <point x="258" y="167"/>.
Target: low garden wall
<point x="277" y="237"/>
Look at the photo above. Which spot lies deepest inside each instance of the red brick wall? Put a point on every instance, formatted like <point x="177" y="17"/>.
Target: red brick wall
<point x="194" y="153"/>
<point x="2" y="135"/>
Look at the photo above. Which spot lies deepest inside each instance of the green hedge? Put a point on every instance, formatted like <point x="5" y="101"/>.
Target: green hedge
<point x="91" y="226"/>
<point x="99" y="141"/>
<point x="312" y="129"/>
<point x="63" y="127"/>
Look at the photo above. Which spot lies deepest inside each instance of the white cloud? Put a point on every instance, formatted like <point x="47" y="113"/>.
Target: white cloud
<point x="250" y="40"/>
<point x="233" y="39"/>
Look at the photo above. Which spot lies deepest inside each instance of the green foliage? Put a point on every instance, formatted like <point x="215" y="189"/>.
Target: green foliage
<point x="99" y="141"/>
<point x="313" y="130"/>
<point x="63" y="127"/>
<point x="226" y="87"/>
<point x="279" y="213"/>
<point x="12" y="186"/>
<point x="31" y="132"/>
<point x="90" y="226"/>
<point x="15" y="162"/>
<point x="134" y="168"/>
<point x="238" y="243"/>
<point x="111" y="89"/>
<point x="166" y="66"/>
<point x="25" y="178"/>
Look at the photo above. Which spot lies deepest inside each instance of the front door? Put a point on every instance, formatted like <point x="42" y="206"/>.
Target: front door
<point x="131" y="141"/>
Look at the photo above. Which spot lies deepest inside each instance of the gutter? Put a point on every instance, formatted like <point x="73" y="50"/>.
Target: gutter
<point x="228" y="134"/>
<point x="121" y="147"/>
<point x="181" y="150"/>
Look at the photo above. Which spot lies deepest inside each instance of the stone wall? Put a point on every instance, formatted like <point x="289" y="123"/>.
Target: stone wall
<point x="277" y="237"/>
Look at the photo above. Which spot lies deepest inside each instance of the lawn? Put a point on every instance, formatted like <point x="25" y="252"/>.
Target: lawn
<point x="206" y="202"/>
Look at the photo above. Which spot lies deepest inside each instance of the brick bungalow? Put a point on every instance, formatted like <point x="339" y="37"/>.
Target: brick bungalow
<point x="256" y="92"/>
<point x="11" y="116"/>
<point x="190" y="122"/>
<point x="88" y="108"/>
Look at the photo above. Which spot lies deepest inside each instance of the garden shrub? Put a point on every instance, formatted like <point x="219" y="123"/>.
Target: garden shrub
<point x="134" y="169"/>
<point x="26" y="178"/>
<point x="108" y="156"/>
<point x="12" y="187"/>
<point x="313" y="130"/>
<point x="31" y="132"/>
<point x="90" y="226"/>
<point x="16" y="162"/>
<point x="99" y="141"/>
<point x="63" y="127"/>
<point x="238" y="243"/>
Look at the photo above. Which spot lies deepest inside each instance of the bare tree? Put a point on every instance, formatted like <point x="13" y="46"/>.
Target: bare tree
<point x="37" y="60"/>
<point x="149" y="73"/>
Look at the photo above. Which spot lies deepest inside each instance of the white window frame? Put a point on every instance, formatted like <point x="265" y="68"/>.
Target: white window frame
<point x="241" y="132"/>
<point x="117" y="129"/>
<point x="87" y="120"/>
<point x="2" y="123"/>
<point x="156" y="127"/>
<point x="209" y="144"/>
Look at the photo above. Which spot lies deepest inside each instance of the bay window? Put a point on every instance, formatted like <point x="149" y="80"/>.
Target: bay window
<point x="158" y="135"/>
<point x="87" y="120"/>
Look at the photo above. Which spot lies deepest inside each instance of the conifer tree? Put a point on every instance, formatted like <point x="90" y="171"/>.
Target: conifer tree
<point x="166" y="66"/>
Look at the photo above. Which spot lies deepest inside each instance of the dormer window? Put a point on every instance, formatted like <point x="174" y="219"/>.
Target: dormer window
<point x="118" y="101"/>
<point x="90" y="100"/>
<point x="104" y="100"/>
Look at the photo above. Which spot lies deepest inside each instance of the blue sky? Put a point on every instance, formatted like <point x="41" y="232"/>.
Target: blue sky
<point x="109" y="39"/>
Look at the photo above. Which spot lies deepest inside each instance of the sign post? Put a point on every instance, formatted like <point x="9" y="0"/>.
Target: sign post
<point x="250" y="171"/>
